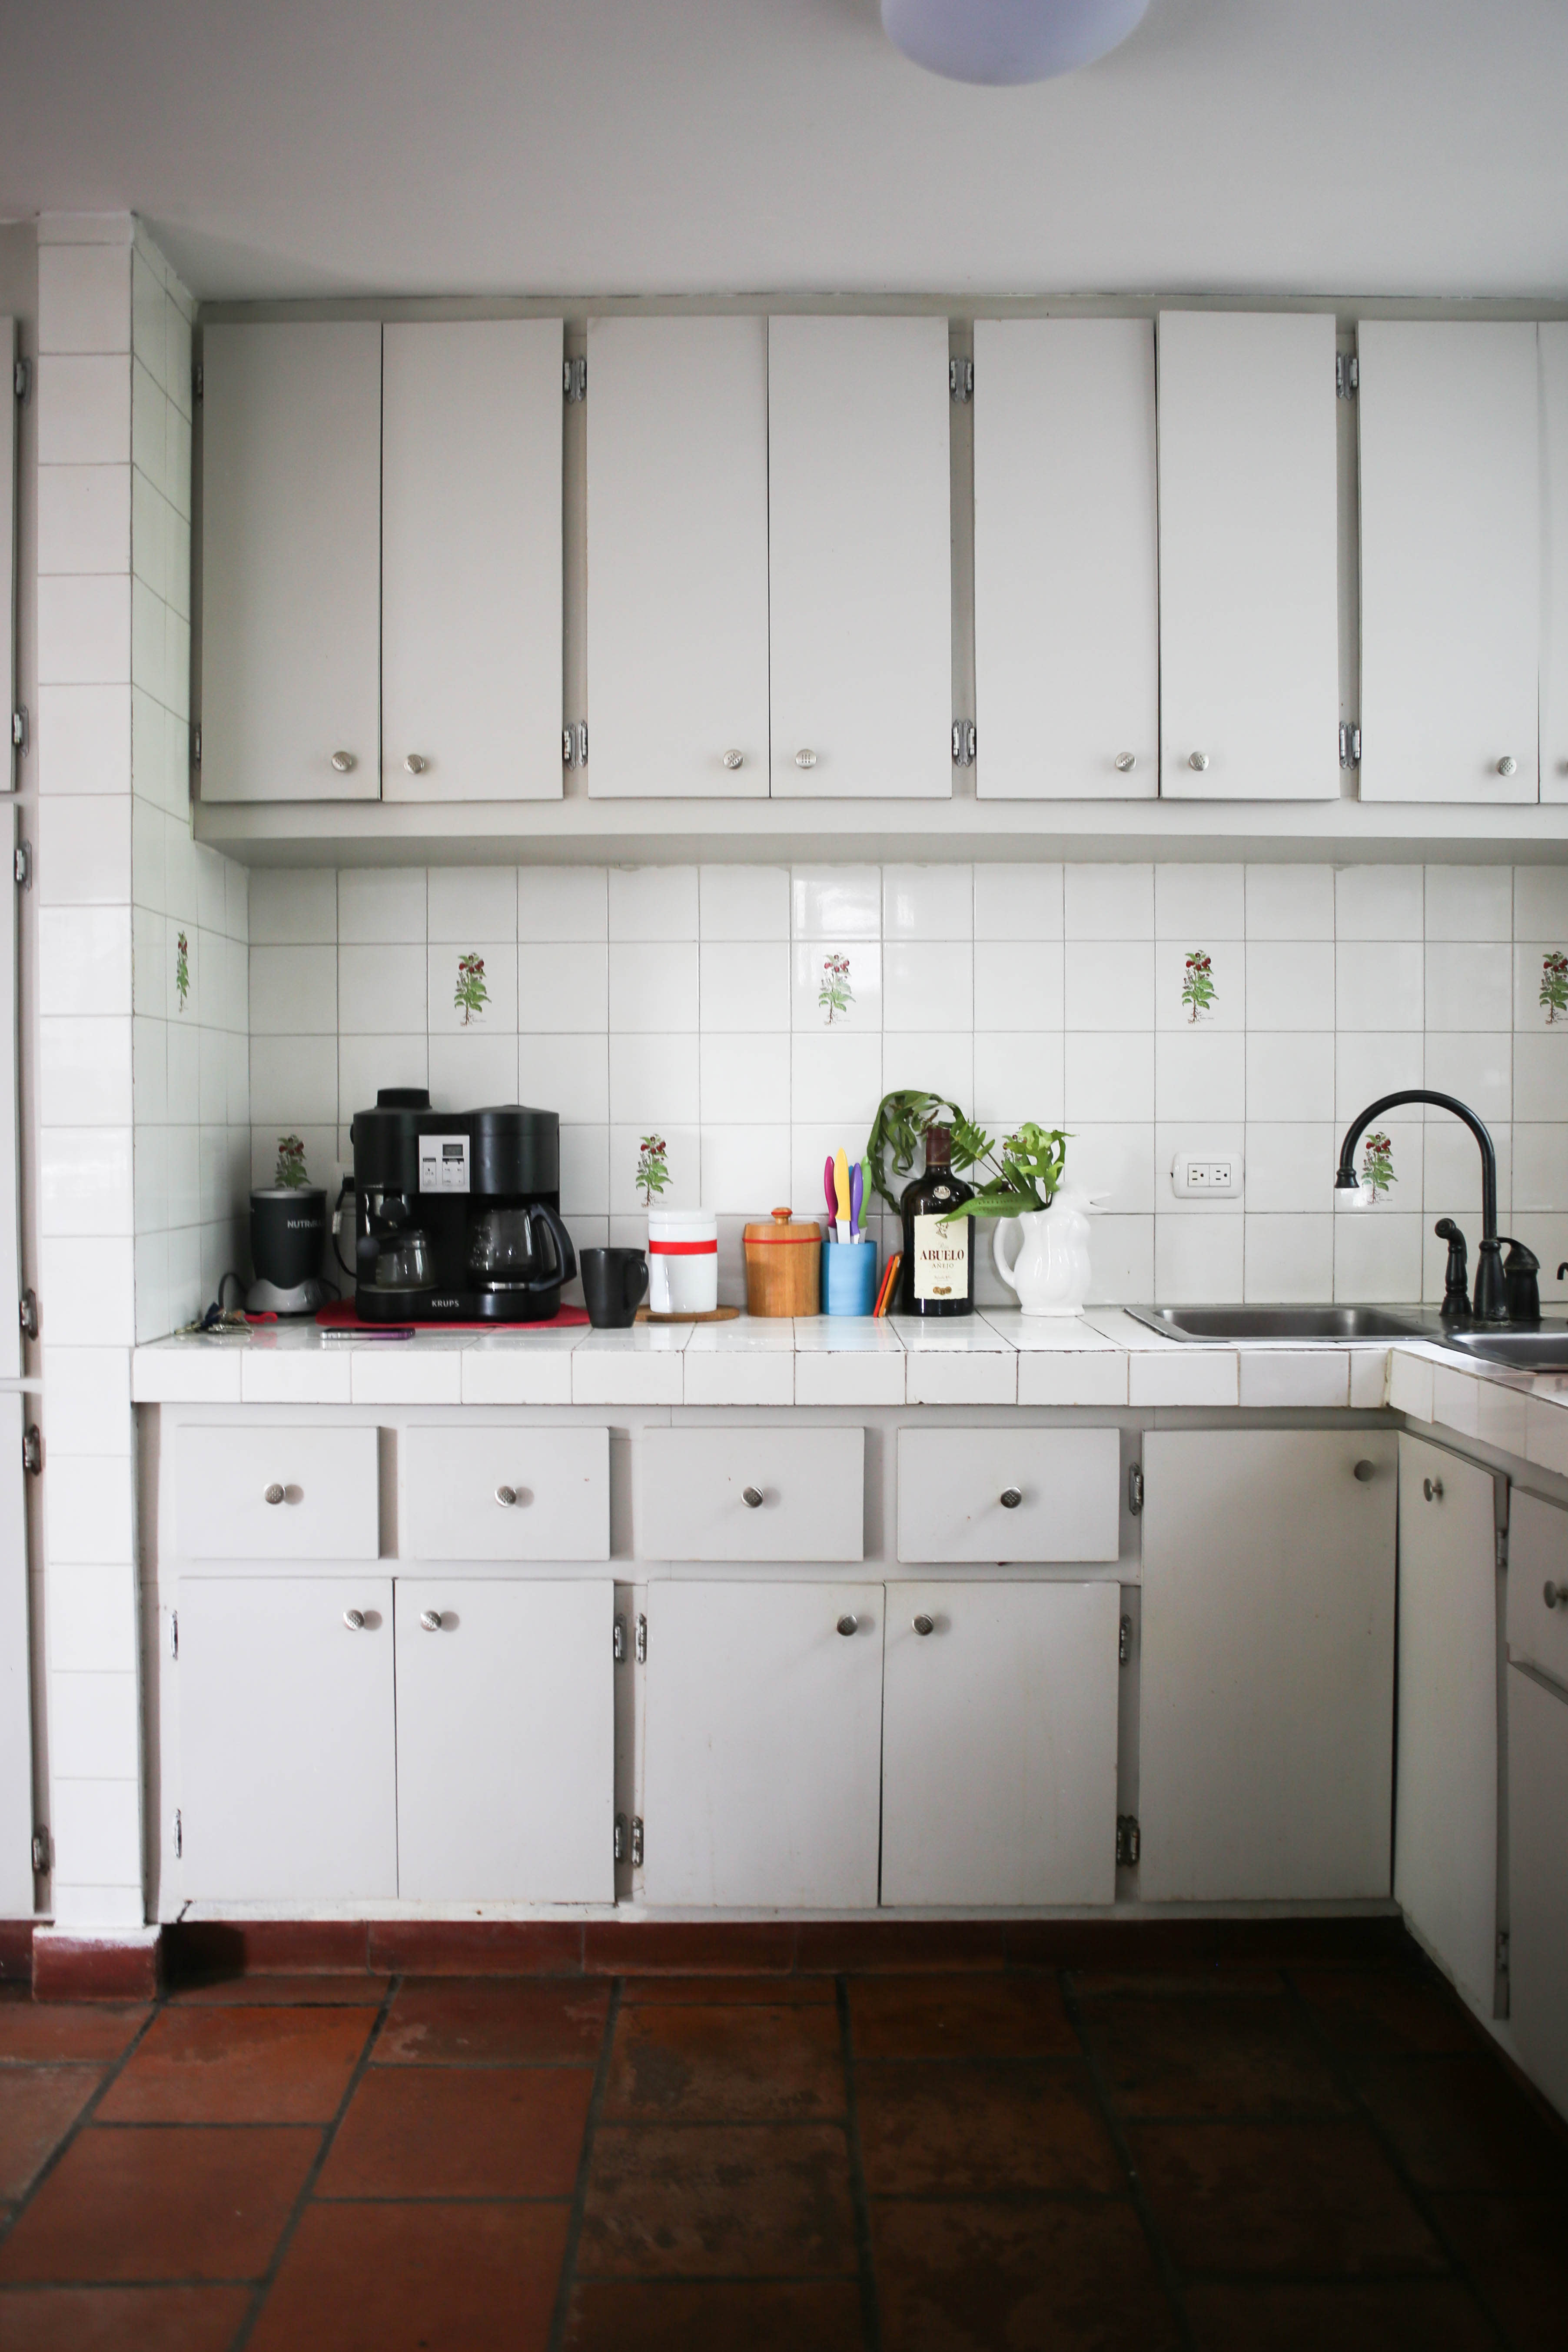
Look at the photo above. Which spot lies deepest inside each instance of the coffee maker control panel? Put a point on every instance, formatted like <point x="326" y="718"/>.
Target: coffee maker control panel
<point x="443" y="1164"/>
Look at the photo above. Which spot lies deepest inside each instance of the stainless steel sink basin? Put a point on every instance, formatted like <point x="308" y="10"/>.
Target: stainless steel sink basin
<point x="1545" y="1350"/>
<point x="1298" y="1325"/>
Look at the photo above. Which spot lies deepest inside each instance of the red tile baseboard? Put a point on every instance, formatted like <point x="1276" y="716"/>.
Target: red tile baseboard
<point x="95" y="1967"/>
<point x="466" y="1948"/>
<point x="16" y="1951"/>
<point x="234" y="1948"/>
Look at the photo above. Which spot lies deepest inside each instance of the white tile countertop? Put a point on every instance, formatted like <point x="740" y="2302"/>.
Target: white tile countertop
<point x="997" y="1357"/>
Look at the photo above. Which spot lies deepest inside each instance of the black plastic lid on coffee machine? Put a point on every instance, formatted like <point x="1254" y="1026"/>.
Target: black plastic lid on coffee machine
<point x="514" y="1150"/>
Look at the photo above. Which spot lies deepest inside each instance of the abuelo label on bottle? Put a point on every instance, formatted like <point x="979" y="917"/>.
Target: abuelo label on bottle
<point x="941" y="1257"/>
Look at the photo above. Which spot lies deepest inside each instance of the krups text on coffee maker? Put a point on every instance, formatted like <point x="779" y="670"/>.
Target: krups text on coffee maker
<point x="457" y="1213"/>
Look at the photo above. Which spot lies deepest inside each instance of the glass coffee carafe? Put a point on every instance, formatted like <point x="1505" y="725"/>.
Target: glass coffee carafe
<point x="398" y="1249"/>
<point x="518" y="1245"/>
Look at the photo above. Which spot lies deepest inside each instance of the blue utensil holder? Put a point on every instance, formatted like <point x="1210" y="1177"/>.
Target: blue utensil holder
<point x="849" y="1276"/>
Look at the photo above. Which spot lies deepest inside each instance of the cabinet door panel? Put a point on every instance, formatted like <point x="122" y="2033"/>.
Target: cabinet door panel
<point x="288" y="1787"/>
<point x="290" y="562"/>
<point x="1066" y="1484"/>
<point x="1537" y="1564"/>
<point x="1267" y="1646"/>
<point x="1444" y="1831"/>
<point x="1249" y="557"/>
<point x="762" y="1737"/>
<point x="695" y="1482"/>
<point x="999" y="1744"/>
<point x="16" y="1815"/>
<point x="1553" y="346"/>
<point x="470" y="561"/>
<point x="677" y="557"/>
<point x="1538" y="1879"/>
<point x="453" y="1481"/>
<point x="505" y="1741"/>
<point x="271" y="1493"/>
<point x="859" y="558"/>
<point x="1450" y="561"/>
<point x="1066" y="598"/>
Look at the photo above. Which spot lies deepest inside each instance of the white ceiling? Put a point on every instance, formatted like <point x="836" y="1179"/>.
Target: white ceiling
<point x="296" y="147"/>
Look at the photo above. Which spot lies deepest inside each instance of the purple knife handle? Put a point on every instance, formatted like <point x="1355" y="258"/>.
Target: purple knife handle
<point x="857" y="1194"/>
<point x="829" y="1187"/>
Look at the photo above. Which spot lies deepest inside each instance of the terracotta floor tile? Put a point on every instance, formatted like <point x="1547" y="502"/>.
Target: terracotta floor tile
<point x="1516" y="2250"/>
<point x="1162" y="1984"/>
<point x="416" y="2278"/>
<point x="740" y="2064"/>
<point x="464" y="2131"/>
<point x="167" y="2202"/>
<point x="357" y="1992"/>
<point x="971" y="2016"/>
<point x="774" y="1992"/>
<point x="38" y="2105"/>
<point x="1312" y="2199"/>
<point x="1460" y="2123"/>
<point x="46" y="2031"/>
<point x="1416" y="2315"/>
<point x="494" y="2020"/>
<point x="965" y="2277"/>
<point x="240" y="2066"/>
<point x="719" y="2315"/>
<point x="1221" y="2054"/>
<point x="871" y="1946"/>
<point x="965" y="2130"/>
<point x="121" y="2318"/>
<point x="714" y="2201"/>
<point x="692" y="1948"/>
<point x="1383" y="2012"/>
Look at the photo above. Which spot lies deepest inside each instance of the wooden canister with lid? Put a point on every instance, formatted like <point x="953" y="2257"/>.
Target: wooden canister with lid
<point x="783" y="1265"/>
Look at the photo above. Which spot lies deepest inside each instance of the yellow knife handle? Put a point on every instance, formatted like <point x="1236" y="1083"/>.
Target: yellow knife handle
<point x="841" y="1182"/>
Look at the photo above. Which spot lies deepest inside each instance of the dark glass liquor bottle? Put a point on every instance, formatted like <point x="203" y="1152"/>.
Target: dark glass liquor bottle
<point x="937" y="1276"/>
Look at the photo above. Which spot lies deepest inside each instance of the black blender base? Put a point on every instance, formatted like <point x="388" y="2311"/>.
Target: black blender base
<point x="449" y="1306"/>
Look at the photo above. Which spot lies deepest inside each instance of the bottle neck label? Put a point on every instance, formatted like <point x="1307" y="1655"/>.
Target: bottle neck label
<point x="941" y="1257"/>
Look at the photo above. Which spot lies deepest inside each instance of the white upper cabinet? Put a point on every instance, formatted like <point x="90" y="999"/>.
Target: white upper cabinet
<point x="470" y="561"/>
<point x="1450" y="562"/>
<point x="1249" y="557"/>
<point x="1554" y="572"/>
<point x="291" y="562"/>
<point x="1066" y="650"/>
<point x="677" y="557"/>
<point x="859" y="558"/>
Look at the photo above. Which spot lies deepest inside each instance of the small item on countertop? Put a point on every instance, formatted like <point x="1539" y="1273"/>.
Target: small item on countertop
<point x="829" y="1189"/>
<point x="850" y="1277"/>
<point x="356" y="1332"/>
<point x="683" y="1261"/>
<point x="938" y="1276"/>
<point x="614" y="1281"/>
<point x="857" y="1197"/>
<point x="889" y="1282"/>
<point x="841" y="1193"/>
<point x="784" y="1261"/>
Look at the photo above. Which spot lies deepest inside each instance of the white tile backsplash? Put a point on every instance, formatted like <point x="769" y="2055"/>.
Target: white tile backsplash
<point x="743" y="902"/>
<point x="1109" y="902"/>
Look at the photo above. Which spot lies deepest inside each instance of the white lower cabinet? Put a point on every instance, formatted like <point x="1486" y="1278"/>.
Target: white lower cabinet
<point x="763" y="1744"/>
<point x="287" y="1773"/>
<point x="1537" y="1877"/>
<point x="999" y="1743"/>
<point x="1444" y="1831"/>
<point x="505" y="1741"/>
<point x="995" y="1494"/>
<point x="1267" y="1644"/>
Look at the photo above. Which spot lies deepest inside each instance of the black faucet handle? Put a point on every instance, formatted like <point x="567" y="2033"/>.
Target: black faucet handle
<point x="1520" y="1258"/>
<point x="1520" y="1269"/>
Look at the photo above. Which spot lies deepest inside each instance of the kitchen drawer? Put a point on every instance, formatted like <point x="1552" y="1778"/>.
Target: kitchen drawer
<point x="506" y="1494"/>
<point x="277" y="1494"/>
<point x="1066" y="1484"/>
<point x="1538" y="1558"/>
<point x="752" y="1494"/>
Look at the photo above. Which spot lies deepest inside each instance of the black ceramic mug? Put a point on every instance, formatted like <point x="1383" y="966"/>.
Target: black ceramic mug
<point x="614" y="1281"/>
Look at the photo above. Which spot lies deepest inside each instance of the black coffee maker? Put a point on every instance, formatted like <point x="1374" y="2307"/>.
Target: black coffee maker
<point x="457" y="1214"/>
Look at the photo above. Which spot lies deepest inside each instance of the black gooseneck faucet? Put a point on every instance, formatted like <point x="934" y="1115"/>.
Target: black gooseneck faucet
<point x="1492" y="1293"/>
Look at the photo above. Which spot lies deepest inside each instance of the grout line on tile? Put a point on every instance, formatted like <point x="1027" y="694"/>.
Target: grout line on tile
<point x="557" y="2336"/>
<point x="110" y="2076"/>
<point x="870" y="2313"/>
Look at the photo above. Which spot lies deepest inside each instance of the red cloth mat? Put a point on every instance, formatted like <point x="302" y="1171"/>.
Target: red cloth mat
<point x="339" y="1315"/>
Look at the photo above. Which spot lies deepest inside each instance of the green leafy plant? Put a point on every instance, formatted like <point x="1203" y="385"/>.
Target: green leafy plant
<point x="1554" y="983"/>
<point x="182" y="969"/>
<point x="898" y="1132"/>
<point x="1377" y="1165"/>
<point x="471" y="996"/>
<point x="1025" y="1169"/>
<point x="1197" y="983"/>
<point x="291" y="1172"/>
<point x="653" y="1168"/>
<point x="835" y="993"/>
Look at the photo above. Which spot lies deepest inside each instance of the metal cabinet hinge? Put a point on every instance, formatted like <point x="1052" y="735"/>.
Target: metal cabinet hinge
<point x="41" y="1856"/>
<point x="1349" y="744"/>
<point x="620" y="1837"/>
<point x="179" y="1834"/>
<point x="21" y="732"/>
<point x="636" y="1841"/>
<point x="1135" y="1489"/>
<point x="963" y="740"/>
<point x="22" y="865"/>
<point x="618" y="1642"/>
<point x="1124" y="1640"/>
<point x="642" y="1641"/>
<point x="1502" y="1944"/>
<point x="1129" y="1842"/>
<point x="1347" y="375"/>
<point x="574" y="745"/>
<point x="574" y="380"/>
<point x="195" y="747"/>
<point x="960" y="381"/>
<point x="28" y="1314"/>
<point x="22" y="380"/>
<point x="33" y="1448"/>
<point x="198" y="381"/>
<point x="174" y="1633"/>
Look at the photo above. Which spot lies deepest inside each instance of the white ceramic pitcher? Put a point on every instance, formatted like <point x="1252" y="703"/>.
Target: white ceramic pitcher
<point x="1044" y="1255"/>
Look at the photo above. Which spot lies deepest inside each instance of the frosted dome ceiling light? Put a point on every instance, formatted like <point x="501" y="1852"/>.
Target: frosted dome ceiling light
<point x="1007" y="40"/>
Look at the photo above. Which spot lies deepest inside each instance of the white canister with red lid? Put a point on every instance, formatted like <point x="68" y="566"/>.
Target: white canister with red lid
<point x="682" y="1261"/>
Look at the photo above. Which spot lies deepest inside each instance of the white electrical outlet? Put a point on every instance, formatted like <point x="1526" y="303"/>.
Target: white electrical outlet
<point x="1205" y="1179"/>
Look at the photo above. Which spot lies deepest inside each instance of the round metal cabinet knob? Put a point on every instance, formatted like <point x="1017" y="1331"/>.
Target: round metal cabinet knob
<point x="430" y="1620"/>
<point x="805" y="759"/>
<point x="354" y="1620"/>
<point x="1011" y="1498"/>
<point x="752" y="1498"/>
<point x="1433" y="1489"/>
<point x="344" y="761"/>
<point x="925" y="1625"/>
<point x="1507" y="765"/>
<point x="1365" y="1472"/>
<point x="1198" y="759"/>
<point x="416" y="763"/>
<point x="1125" y="763"/>
<point x="848" y="1625"/>
<point x="506" y="1497"/>
<point x="733" y="760"/>
<point x="1555" y="1596"/>
<point x="275" y="1493"/>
